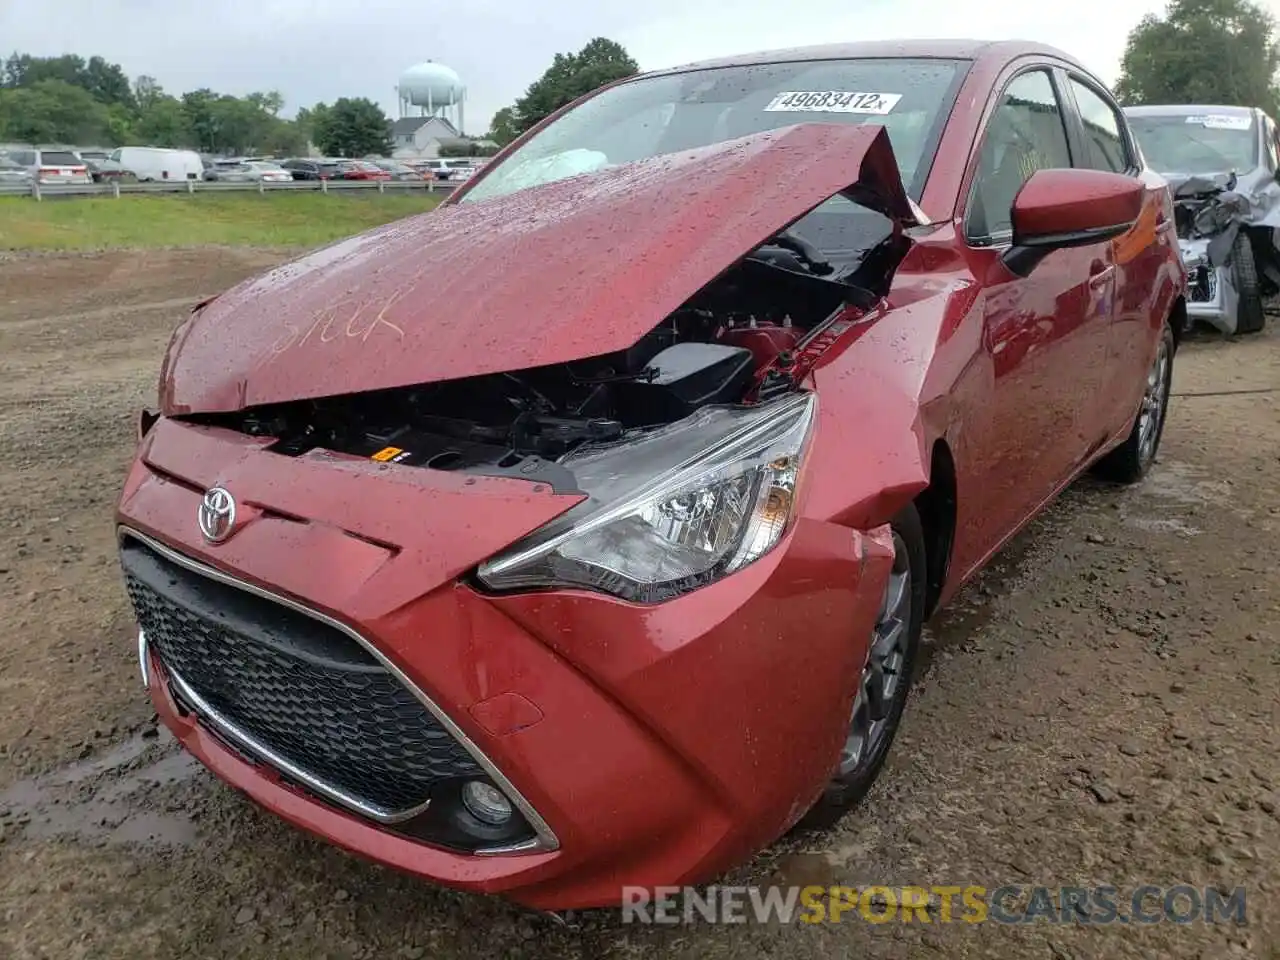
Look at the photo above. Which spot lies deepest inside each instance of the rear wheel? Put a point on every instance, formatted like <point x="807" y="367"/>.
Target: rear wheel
<point x="1250" y="315"/>
<point x="1129" y="462"/>
<point x="885" y="680"/>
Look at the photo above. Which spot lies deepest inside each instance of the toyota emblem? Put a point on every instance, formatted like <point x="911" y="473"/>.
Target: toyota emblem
<point x="217" y="514"/>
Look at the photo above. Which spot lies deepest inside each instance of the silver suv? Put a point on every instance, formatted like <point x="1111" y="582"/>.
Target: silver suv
<point x="50" y="165"/>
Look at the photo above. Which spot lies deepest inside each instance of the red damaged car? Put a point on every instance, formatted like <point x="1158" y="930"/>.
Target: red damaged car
<point x="580" y="532"/>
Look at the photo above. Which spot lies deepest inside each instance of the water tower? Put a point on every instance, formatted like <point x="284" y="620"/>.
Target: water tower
<point x="434" y="90"/>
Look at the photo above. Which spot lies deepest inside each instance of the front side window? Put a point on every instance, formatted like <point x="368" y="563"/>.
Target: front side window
<point x="1105" y="143"/>
<point x="657" y="115"/>
<point x="1025" y="134"/>
<point x="1201" y="143"/>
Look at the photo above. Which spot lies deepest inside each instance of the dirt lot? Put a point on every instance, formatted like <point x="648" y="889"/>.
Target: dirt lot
<point x="1101" y="709"/>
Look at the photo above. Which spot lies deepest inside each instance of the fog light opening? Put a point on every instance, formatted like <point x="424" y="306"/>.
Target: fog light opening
<point x="486" y="803"/>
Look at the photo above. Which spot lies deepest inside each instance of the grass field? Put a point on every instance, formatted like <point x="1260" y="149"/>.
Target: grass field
<point x="273" y="219"/>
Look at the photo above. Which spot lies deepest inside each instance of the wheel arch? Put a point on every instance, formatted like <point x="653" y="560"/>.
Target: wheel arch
<point x="936" y="505"/>
<point x="1178" y="320"/>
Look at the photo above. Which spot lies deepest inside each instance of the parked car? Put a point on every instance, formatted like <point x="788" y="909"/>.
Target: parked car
<point x="536" y="556"/>
<point x="52" y="166"/>
<point x="158" y="164"/>
<point x="362" y="170"/>
<point x="312" y="169"/>
<point x="252" y="171"/>
<point x="12" y="173"/>
<point x="108" y="171"/>
<point x="1221" y="163"/>
<point x="447" y="169"/>
<point x="398" y="170"/>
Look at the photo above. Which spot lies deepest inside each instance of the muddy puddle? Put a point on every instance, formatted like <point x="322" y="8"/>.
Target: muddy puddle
<point x="108" y="799"/>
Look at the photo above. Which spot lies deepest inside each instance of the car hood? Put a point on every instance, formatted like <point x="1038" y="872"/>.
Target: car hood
<point x="1257" y="187"/>
<point x="554" y="273"/>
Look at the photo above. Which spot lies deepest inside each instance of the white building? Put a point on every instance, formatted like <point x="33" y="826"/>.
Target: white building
<point x="420" y="138"/>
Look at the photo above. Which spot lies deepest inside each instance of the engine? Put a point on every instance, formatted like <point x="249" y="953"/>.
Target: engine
<point x="733" y="342"/>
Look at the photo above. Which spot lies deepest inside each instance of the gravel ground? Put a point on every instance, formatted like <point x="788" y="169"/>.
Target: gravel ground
<point x="1100" y="708"/>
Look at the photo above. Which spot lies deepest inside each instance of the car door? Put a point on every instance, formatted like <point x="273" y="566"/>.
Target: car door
<point x="1104" y="143"/>
<point x="1040" y="332"/>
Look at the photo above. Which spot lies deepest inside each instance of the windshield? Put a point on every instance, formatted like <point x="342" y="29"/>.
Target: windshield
<point x="667" y="113"/>
<point x="1197" y="143"/>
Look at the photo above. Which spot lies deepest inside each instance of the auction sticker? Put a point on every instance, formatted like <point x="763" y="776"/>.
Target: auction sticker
<point x="833" y="101"/>
<point x="1220" y="121"/>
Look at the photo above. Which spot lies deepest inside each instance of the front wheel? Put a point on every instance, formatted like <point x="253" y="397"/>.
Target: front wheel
<point x="885" y="680"/>
<point x="1250" y="314"/>
<point x="1130" y="462"/>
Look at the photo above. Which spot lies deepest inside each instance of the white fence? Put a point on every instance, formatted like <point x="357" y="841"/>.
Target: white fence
<point x="49" y="191"/>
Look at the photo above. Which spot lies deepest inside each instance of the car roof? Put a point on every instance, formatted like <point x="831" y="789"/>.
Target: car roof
<point x="976" y="50"/>
<point x="1186" y="109"/>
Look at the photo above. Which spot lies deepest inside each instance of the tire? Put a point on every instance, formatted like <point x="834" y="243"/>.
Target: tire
<point x="852" y="778"/>
<point x="1250" y="315"/>
<point x="1129" y="462"/>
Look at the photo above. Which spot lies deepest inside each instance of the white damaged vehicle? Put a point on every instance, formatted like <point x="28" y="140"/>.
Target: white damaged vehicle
<point x="1221" y="163"/>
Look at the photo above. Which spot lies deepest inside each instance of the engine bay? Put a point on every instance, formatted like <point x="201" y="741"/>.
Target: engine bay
<point x="750" y="335"/>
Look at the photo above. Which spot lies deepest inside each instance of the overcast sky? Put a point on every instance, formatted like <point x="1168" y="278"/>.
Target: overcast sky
<point x="313" y="50"/>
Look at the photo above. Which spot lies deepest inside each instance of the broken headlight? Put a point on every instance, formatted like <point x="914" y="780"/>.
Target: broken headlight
<point x="680" y="507"/>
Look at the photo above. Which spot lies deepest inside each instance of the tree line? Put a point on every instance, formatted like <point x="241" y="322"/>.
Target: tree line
<point x="570" y="76"/>
<point x="1203" y="51"/>
<point x="70" y="100"/>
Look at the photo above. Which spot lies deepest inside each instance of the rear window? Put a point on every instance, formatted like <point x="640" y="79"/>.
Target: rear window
<point x="24" y="157"/>
<point x="59" y="158"/>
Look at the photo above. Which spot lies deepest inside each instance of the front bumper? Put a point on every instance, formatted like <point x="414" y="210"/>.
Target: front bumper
<point x="1211" y="295"/>
<point x="645" y="745"/>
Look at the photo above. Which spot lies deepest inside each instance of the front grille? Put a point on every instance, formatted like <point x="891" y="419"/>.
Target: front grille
<point x="302" y="688"/>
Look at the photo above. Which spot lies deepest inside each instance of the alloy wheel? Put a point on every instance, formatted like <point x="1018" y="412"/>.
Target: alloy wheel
<point x="883" y="674"/>
<point x="1155" y="401"/>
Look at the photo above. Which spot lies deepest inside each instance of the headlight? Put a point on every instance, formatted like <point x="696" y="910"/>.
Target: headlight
<point x="675" y="510"/>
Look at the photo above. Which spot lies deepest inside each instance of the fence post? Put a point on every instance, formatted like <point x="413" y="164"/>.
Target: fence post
<point x="324" y="185"/>
<point x="262" y="187"/>
<point x="115" y="189"/>
<point x="35" y="188"/>
<point x="382" y="186"/>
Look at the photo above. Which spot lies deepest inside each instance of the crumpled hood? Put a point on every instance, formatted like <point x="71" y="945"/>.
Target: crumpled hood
<point x="566" y="270"/>
<point x="1257" y="188"/>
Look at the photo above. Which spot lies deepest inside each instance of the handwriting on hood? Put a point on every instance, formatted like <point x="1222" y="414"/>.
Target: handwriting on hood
<point x="345" y="321"/>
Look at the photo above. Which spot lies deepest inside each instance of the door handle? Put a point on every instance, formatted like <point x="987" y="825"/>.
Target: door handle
<point x="1097" y="267"/>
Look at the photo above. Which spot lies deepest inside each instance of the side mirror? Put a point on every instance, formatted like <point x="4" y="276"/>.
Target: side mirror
<point x="1070" y="208"/>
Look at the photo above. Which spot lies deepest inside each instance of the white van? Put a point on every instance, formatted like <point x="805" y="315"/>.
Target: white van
<point x="157" y="163"/>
